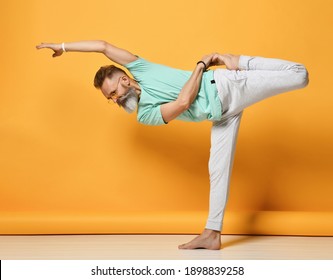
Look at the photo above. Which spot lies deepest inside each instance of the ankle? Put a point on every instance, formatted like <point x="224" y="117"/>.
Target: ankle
<point x="211" y="232"/>
<point x="236" y="61"/>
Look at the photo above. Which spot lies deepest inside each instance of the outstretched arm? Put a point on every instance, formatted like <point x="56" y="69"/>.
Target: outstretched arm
<point x="114" y="53"/>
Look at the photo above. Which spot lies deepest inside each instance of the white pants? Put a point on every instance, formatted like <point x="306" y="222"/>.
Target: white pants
<point x="259" y="78"/>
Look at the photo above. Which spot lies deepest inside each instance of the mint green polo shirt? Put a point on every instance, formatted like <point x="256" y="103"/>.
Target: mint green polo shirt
<point x="161" y="84"/>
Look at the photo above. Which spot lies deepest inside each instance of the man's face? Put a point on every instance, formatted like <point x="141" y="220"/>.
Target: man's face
<point x="112" y="88"/>
<point x="118" y="90"/>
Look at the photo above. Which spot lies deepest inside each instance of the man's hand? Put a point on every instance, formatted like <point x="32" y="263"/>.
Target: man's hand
<point x="215" y="59"/>
<point x="209" y="59"/>
<point x="55" y="47"/>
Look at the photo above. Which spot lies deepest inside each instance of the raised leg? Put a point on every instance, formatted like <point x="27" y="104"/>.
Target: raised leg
<point x="257" y="79"/>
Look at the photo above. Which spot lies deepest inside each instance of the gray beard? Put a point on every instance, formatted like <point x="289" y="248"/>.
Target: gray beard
<point x="129" y="101"/>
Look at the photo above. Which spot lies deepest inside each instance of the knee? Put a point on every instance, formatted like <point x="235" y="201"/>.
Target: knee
<point x="302" y="78"/>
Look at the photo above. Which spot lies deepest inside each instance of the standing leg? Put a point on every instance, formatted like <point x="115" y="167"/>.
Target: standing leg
<point x="223" y="142"/>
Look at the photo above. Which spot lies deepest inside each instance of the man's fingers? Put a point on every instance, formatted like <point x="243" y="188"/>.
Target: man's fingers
<point x="43" y="45"/>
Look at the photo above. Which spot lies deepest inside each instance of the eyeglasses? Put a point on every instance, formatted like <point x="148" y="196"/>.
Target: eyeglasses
<point x="113" y="94"/>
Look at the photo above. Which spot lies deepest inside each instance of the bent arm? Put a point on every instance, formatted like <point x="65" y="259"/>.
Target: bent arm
<point x="188" y="93"/>
<point x="185" y="98"/>
<point x="118" y="55"/>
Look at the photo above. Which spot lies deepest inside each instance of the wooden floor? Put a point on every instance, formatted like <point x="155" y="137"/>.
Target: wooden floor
<point x="138" y="247"/>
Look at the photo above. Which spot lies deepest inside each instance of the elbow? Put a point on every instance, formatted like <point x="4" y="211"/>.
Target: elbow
<point x="184" y="100"/>
<point x="103" y="46"/>
<point x="302" y="76"/>
<point x="184" y="104"/>
<point x="306" y="79"/>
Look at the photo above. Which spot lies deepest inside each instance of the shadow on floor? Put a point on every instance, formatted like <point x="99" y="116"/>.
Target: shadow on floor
<point x="238" y="240"/>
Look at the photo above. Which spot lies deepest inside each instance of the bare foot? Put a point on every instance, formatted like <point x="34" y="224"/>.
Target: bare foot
<point x="208" y="239"/>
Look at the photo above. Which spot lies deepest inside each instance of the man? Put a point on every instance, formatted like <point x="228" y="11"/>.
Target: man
<point x="161" y="94"/>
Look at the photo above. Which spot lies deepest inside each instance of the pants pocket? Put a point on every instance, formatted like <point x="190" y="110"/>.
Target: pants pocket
<point x="236" y="75"/>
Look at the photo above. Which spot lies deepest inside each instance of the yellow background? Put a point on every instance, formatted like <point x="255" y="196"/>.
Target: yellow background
<point x="72" y="163"/>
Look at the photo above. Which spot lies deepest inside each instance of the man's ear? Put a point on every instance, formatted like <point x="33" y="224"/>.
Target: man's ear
<point x="126" y="80"/>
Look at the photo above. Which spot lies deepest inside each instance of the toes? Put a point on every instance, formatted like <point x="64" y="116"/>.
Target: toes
<point x="183" y="246"/>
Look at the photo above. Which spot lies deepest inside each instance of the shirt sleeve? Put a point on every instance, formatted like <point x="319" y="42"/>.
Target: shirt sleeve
<point x="151" y="116"/>
<point x="138" y="68"/>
